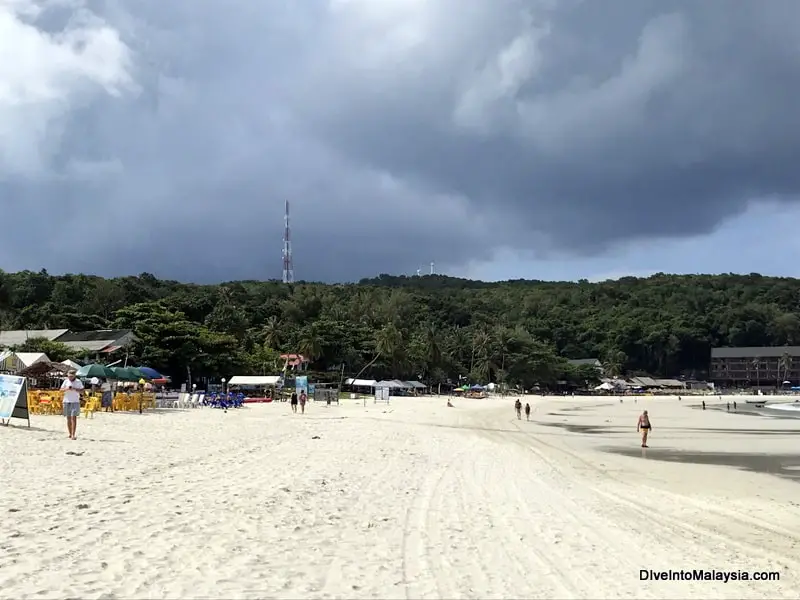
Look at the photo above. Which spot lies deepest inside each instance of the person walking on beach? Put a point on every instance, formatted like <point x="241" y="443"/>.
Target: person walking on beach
<point x="303" y="400"/>
<point x="644" y="426"/>
<point x="72" y="387"/>
<point x="527" y="412"/>
<point x="107" y="398"/>
<point x="518" y="409"/>
<point x="294" y="402"/>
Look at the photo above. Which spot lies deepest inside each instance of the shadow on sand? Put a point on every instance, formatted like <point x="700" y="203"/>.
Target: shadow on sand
<point x="782" y="465"/>
<point x="598" y="429"/>
<point x="590" y="429"/>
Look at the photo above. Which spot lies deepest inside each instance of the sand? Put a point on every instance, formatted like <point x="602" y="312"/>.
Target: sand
<point x="409" y="500"/>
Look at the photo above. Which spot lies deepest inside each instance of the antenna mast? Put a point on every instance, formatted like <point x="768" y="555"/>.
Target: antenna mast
<point x="288" y="267"/>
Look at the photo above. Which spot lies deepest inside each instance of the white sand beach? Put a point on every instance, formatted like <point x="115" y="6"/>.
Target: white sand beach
<point x="409" y="500"/>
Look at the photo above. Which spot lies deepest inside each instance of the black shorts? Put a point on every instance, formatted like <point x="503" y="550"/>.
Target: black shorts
<point x="294" y="401"/>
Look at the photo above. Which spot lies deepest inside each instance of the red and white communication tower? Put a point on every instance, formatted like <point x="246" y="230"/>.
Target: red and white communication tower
<point x="288" y="267"/>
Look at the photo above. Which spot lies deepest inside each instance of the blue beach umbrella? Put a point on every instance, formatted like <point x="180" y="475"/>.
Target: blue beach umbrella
<point x="151" y="373"/>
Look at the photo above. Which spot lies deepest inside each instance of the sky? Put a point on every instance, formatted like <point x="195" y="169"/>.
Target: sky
<point x="499" y="139"/>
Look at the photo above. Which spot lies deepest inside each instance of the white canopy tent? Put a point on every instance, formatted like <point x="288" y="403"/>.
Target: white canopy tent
<point x="16" y="361"/>
<point x="254" y="380"/>
<point x="361" y="382"/>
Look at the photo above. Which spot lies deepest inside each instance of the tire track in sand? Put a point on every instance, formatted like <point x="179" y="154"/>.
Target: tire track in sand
<point x="667" y="527"/>
<point x="420" y="579"/>
<point x="696" y="530"/>
<point x="575" y="505"/>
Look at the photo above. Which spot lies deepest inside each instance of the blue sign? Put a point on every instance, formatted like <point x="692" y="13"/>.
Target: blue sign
<point x="11" y="386"/>
<point x="301" y="384"/>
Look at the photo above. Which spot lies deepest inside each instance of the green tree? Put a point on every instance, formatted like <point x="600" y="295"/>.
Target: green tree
<point x="271" y="333"/>
<point x="55" y="351"/>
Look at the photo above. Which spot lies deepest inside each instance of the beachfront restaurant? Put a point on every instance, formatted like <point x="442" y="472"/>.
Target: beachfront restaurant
<point x="255" y="387"/>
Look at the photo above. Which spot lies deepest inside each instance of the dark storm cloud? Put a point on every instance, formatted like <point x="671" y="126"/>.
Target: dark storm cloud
<point x="402" y="131"/>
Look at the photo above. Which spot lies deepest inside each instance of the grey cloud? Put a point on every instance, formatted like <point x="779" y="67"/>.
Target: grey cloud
<point x="402" y="132"/>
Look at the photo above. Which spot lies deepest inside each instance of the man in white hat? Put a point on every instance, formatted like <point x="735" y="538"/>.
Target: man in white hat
<point x="72" y="388"/>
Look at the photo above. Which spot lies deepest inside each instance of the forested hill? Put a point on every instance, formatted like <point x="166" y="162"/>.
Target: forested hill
<point x="434" y="327"/>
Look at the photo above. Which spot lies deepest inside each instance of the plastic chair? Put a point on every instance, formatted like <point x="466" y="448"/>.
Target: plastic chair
<point x="91" y="406"/>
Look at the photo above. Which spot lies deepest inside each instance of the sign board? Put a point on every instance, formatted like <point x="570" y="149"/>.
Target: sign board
<point x="301" y="384"/>
<point x="13" y="398"/>
<point x="382" y="394"/>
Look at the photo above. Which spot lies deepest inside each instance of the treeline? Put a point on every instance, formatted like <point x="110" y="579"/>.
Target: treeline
<point x="433" y="328"/>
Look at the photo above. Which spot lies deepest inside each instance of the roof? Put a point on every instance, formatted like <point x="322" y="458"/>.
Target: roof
<point x="756" y="352"/>
<point x="644" y="381"/>
<point x="45" y="368"/>
<point x="417" y="385"/>
<point x="389" y="384"/>
<point x="20" y="336"/>
<point x="105" y="335"/>
<point x="361" y="382"/>
<point x="670" y="383"/>
<point x="71" y="364"/>
<point x="255" y="380"/>
<point x="585" y="361"/>
<point x="89" y="345"/>
<point x="31" y="358"/>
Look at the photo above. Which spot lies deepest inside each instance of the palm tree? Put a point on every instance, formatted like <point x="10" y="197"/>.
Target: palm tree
<point x="615" y="363"/>
<point x="504" y="337"/>
<point x="481" y="368"/>
<point x="480" y="361"/>
<point x="756" y="364"/>
<point x="433" y="350"/>
<point x="387" y="343"/>
<point x="785" y="364"/>
<point x="310" y="345"/>
<point x="272" y="333"/>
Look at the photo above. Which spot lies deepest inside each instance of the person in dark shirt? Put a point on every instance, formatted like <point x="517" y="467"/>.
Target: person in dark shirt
<point x="294" y="402"/>
<point x="527" y="411"/>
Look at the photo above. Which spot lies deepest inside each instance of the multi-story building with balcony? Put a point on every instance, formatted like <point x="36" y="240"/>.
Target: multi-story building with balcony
<point x="755" y="366"/>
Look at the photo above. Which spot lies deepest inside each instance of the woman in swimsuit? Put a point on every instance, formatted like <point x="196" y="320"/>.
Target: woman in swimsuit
<point x="644" y="426"/>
